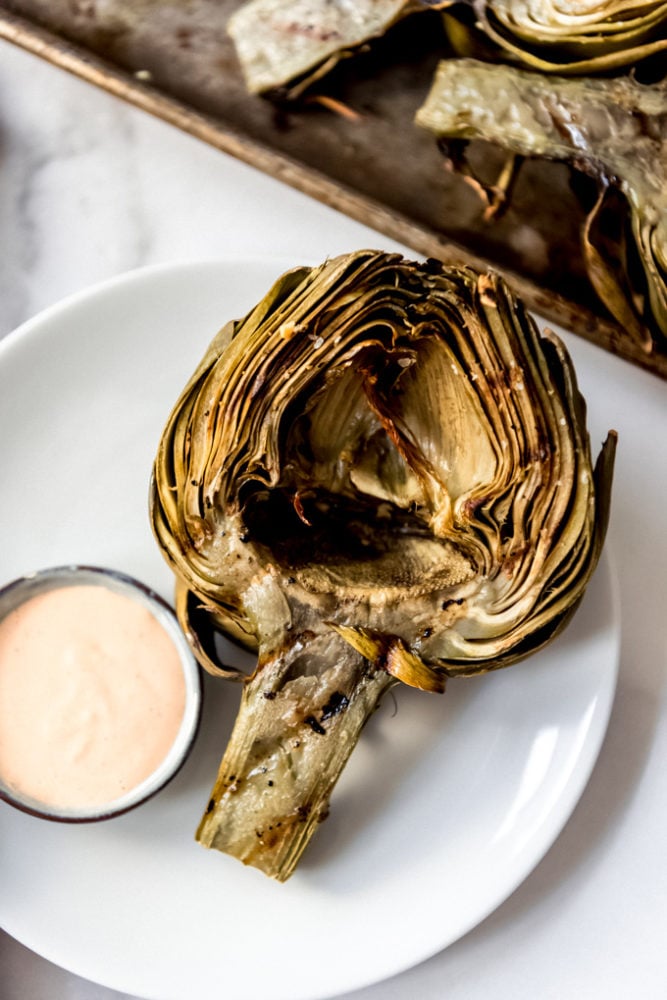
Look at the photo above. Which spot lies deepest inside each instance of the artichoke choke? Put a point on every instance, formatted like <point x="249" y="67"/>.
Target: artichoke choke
<point x="381" y="474"/>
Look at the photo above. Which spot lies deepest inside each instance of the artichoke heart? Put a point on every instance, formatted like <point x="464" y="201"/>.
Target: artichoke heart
<point x="381" y="474"/>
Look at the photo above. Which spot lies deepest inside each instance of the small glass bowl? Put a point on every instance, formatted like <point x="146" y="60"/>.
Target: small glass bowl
<point x="16" y="593"/>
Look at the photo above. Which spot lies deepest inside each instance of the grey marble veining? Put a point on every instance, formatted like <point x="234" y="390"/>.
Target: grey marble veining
<point x="91" y="187"/>
<point x="70" y="208"/>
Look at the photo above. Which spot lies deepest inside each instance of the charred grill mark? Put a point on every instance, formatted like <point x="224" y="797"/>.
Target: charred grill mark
<point x="184" y="38"/>
<point x="488" y="294"/>
<point x="312" y="31"/>
<point x="311" y="721"/>
<point x="336" y="704"/>
<point x="472" y="506"/>
<point x="279" y="831"/>
<point x="231" y="784"/>
<point x="541" y="453"/>
<point x="382" y="655"/>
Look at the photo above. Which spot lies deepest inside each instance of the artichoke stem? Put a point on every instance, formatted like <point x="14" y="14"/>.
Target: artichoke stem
<point x="293" y="735"/>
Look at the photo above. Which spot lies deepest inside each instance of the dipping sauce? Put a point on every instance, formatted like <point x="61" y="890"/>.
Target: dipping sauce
<point x="92" y="696"/>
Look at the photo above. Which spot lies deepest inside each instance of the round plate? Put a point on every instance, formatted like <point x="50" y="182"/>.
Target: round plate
<point x="447" y="804"/>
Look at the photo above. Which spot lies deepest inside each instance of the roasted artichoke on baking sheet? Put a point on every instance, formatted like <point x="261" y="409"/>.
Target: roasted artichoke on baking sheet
<point x="286" y="46"/>
<point x="381" y="474"/>
<point x="562" y="36"/>
<point x="615" y="130"/>
<point x="289" y="45"/>
<point x="612" y="128"/>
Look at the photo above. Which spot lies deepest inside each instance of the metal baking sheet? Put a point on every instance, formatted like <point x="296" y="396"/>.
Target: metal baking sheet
<point x="176" y="60"/>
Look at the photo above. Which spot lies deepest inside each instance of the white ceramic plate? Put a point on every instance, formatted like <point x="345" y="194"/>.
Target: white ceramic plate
<point x="447" y="804"/>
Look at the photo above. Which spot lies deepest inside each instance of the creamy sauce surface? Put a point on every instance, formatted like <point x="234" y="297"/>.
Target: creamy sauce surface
<point x="92" y="695"/>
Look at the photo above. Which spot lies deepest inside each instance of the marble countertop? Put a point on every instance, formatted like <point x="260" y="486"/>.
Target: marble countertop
<point x="91" y="188"/>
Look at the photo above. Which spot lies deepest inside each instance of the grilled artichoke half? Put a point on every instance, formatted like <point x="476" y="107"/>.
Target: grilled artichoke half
<point x="614" y="130"/>
<point x="382" y="473"/>
<point x="289" y="45"/>
<point x="562" y="36"/>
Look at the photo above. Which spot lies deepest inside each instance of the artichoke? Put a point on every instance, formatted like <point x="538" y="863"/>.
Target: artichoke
<point x="614" y="130"/>
<point x="561" y="36"/>
<point x="381" y="474"/>
<point x="290" y="45"/>
<point x="286" y="46"/>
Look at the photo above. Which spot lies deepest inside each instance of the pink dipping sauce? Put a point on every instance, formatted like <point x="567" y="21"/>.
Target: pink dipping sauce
<point x="92" y="696"/>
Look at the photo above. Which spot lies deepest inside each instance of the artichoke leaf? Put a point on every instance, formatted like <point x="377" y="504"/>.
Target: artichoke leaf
<point x="381" y="474"/>
<point x="614" y="130"/>
<point x="291" y="45"/>
<point x="611" y="286"/>
<point x="392" y="655"/>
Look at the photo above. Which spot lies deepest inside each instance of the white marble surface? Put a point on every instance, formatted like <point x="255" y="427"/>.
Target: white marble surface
<point x="90" y="188"/>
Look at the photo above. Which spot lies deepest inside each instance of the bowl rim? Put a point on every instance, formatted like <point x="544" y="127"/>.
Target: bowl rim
<point x="22" y="589"/>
